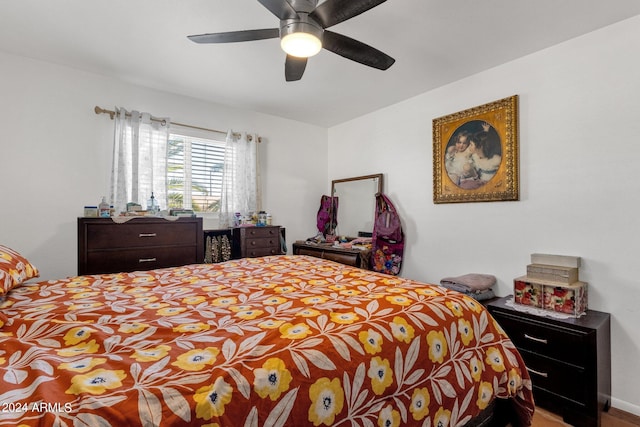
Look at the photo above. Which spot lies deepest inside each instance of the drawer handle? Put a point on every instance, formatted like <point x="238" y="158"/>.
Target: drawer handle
<point x="141" y="260"/>
<point x="542" y="374"/>
<point x="147" y="235"/>
<point x="541" y="340"/>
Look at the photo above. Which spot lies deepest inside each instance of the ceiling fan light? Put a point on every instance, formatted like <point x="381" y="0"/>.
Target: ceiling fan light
<point x="301" y="44"/>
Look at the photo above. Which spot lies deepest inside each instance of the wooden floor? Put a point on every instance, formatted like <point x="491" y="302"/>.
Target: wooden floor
<point x="613" y="418"/>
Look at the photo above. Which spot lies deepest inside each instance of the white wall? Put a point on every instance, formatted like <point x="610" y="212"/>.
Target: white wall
<point x="55" y="155"/>
<point x="580" y="188"/>
<point x="579" y="139"/>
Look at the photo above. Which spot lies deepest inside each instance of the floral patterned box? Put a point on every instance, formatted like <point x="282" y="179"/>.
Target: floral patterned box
<point x="550" y="295"/>
<point x="570" y="299"/>
<point x="527" y="292"/>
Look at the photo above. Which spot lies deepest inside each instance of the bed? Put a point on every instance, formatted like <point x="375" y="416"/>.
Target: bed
<point x="273" y="341"/>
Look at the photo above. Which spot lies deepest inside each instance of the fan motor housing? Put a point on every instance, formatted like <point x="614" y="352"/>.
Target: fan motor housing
<point x="302" y="25"/>
<point x="303" y="6"/>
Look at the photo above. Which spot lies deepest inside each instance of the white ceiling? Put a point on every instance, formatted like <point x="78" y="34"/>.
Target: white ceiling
<point x="434" y="42"/>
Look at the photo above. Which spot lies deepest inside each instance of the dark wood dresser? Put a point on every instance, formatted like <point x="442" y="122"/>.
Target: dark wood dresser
<point x="354" y="257"/>
<point x="144" y="243"/>
<point x="252" y="242"/>
<point x="569" y="360"/>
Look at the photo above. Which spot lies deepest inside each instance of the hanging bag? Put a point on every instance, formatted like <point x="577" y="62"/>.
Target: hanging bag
<point x="327" y="215"/>
<point x="388" y="238"/>
<point x="388" y="225"/>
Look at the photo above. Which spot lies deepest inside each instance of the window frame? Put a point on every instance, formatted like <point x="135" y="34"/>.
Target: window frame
<point x="190" y="136"/>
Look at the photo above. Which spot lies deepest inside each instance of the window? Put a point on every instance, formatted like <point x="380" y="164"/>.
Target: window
<point x="194" y="173"/>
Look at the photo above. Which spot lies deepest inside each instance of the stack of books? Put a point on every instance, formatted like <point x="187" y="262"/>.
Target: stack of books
<point x="189" y="213"/>
<point x="552" y="283"/>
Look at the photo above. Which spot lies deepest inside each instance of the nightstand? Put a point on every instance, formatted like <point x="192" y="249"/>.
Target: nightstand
<point x="569" y="360"/>
<point x="251" y="242"/>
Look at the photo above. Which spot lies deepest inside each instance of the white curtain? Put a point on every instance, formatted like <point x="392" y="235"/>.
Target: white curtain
<point x="139" y="159"/>
<point x="241" y="178"/>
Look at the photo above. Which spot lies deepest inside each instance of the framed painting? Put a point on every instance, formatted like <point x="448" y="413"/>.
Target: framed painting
<point x="475" y="154"/>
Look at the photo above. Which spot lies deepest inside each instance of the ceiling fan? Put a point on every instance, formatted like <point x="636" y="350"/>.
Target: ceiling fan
<point x="303" y="33"/>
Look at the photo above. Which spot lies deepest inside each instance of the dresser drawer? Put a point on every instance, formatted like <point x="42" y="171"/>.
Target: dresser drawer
<point x="139" y="259"/>
<point x="347" y="259"/>
<point x="260" y="232"/>
<point x="563" y="344"/>
<point x="343" y="258"/>
<point x="258" y="252"/>
<point x="104" y="236"/>
<point x="261" y="243"/>
<point x="561" y="379"/>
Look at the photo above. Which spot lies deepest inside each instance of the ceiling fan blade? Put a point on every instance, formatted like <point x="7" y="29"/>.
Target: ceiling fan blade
<point x="294" y="68"/>
<point x="280" y="8"/>
<point x="356" y="51"/>
<point x="236" y="36"/>
<point x="332" y="12"/>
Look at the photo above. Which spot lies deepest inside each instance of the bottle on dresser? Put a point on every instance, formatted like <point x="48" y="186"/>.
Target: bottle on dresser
<point x="104" y="209"/>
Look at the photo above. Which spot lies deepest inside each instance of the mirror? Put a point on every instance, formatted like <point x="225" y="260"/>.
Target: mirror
<point x="356" y="204"/>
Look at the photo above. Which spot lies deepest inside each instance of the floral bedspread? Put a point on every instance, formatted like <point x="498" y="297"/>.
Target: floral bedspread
<point x="274" y="341"/>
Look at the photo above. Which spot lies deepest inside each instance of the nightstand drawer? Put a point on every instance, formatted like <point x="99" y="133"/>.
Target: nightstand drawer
<point x="104" y="236"/>
<point x="561" y="379"/>
<point x="563" y="344"/>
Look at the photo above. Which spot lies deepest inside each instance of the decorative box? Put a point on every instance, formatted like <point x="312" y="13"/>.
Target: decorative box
<point x="569" y="298"/>
<point x="557" y="260"/>
<point x="553" y="273"/>
<point x="526" y="292"/>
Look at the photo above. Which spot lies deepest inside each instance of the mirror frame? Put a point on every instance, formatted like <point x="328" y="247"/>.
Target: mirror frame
<point x="378" y="176"/>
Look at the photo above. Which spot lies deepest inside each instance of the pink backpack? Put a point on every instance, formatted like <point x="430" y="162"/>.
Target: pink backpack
<point x="388" y="238"/>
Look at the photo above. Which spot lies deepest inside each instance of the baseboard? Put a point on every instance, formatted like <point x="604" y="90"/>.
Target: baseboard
<point x="622" y="408"/>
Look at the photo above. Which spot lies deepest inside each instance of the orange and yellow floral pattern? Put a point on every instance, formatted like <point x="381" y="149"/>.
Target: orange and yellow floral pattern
<point x="278" y="341"/>
<point x="15" y="269"/>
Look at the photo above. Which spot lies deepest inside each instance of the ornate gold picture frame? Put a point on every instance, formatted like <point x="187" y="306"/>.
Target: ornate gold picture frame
<point x="475" y="154"/>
